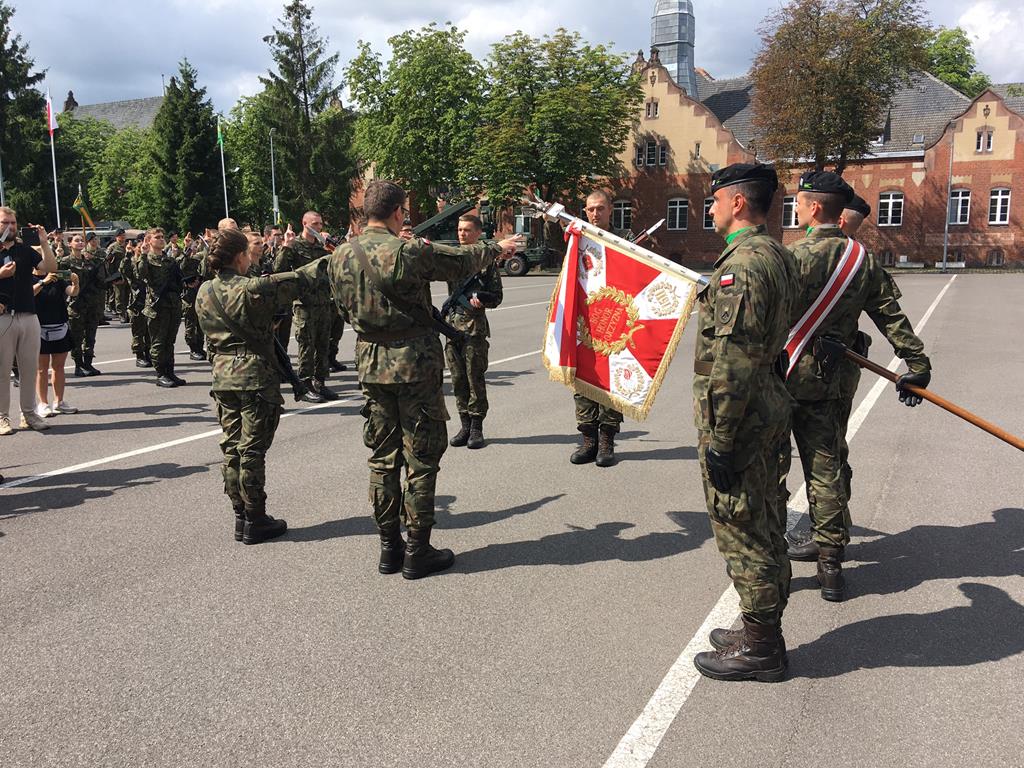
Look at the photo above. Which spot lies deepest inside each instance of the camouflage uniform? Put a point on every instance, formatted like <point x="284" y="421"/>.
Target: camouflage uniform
<point x="283" y="323"/>
<point x="192" y="265"/>
<point x="741" y="407"/>
<point x="85" y="311"/>
<point x="162" y="278"/>
<point x="312" y="313"/>
<point x="117" y="293"/>
<point x="824" y="400"/>
<point x="246" y="383"/>
<point x="135" y="305"/>
<point x="468" y="366"/>
<point x="401" y="365"/>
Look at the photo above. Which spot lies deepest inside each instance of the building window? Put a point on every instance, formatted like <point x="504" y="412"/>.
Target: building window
<point x="663" y="154"/>
<point x="678" y="213"/>
<point x="622" y="215"/>
<point x="890" y="209"/>
<point x="709" y="221"/>
<point x="959" y="206"/>
<point x="996" y="258"/>
<point x="652" y="110"/>
<point x="696" y="150"/>
<point x="984" y="141"/>
<point x="999" y="207"/>
<point x="652" y="153"/>
<point x="887" y="260"/>
<point x="789" y="212"/>
<point x="639" y="155"/>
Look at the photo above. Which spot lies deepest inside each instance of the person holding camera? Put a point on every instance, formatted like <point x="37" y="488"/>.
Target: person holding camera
<point x="52" y="291"/>
<point x="19" y="326"/>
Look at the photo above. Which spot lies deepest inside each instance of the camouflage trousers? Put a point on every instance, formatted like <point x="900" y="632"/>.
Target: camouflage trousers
<point x="140" y="333"/>
<point x="249" y="419"/>
<point x="405" y="428"/>
<point x="750" y="529"/>
<point x="591" y="415"/>
<point x="819" y="429"/>
<point x="468" y="367"/>
<point x="163" y="331"/>
<point x="313" y="333"/>
<point x="82" y="325"/>
<point x="193" y="333"/>
<point x="117" y="298"/>
<point x="337" y="330"/>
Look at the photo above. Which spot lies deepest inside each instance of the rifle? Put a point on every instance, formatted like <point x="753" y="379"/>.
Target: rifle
<point x="284" y="363"/>
<point x="832" y="349"/>
<point x="474" y="284"/>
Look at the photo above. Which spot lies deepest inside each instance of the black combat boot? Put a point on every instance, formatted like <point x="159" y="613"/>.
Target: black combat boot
<point x="476" y="433"/>
<point x="324" y="391"/>
<point x="90" y="369"/>
<point x="80" y="371"/>
<point x="197" y="354"/>
<point x="163" y="380"/>
<point x="260" y="527"/>
<point x="462" y="436"/>
<point x="605" y="447"/>
<point x="312" y="396"/>
<point x="239" y="521"/>
<point x="587" y="450"/>
<point x="421" y="559"/>
<point x="755" y="655"/>
<point x="723" y="638"/>
<point x="336" y="365"/>
<point x="392" y="550"/>
<point x="178" y="381"/>
<point x="830" y="573"/>
<point x="802" y="546"/>
<point x="142" y="362"/>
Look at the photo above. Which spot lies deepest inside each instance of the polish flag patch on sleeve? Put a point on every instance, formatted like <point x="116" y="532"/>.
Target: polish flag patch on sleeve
<point x="726" y="280"/>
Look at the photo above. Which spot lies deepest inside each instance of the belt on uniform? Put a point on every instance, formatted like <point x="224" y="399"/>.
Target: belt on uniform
<point x="704" y="367"/>
<point x="394" y="337"/>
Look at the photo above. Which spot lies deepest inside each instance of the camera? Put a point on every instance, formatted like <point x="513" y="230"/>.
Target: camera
<point x="30" y="236"/>
<point x="63" y="274"/>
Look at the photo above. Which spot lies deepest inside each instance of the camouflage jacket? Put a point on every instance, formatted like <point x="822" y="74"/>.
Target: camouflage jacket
<point x="742" y="326"/>
<point x="136" y="288"/>
<point x="872" y="290"/>
<point x="468" y="319"/>
<point x="415" y="354"/>
<point x="115" y="255"/>
<point x="299" y="254"/>
<point x="251" y="302"/>
<point x="92" y="280"/>
<point x="192" y="266"/>
<point x="162" y="277"/>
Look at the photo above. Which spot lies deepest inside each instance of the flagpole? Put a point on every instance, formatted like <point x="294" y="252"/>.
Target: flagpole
<point x="223" y="171"/>
<point x="56" y="198"/>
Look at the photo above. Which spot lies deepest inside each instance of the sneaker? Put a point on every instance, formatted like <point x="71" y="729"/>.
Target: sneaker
<point x="63" y="407"/>
<point x="31" y="421"/>
<point x="5" y="425"/>
<point x="43" y="411"/>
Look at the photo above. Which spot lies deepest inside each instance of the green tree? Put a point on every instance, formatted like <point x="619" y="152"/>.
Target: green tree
<point x="827" y="72"/>
<point x="24" y="153"/>
<point x="187" y="166"/>
<point x="557" y="113"/>
<point x="302" y="99"/>
<point x="124" y="186"/>
<point x="951" y="59"/>
<point x="247" y="141"/>
<point x="418" y="116"/>
<point x="79" y="146"/>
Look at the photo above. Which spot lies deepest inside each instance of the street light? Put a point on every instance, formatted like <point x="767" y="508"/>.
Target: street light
<point x="273" y="179"/>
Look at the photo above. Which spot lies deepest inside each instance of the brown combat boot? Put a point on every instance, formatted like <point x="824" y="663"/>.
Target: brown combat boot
<point x="830" y="573"/>
<point x="392" y="549"/>
<point x="462" y="436"/>
<point x="755" y="655"/>
<point x="476" y="433"/>
<point x="587" y="450"/>
<point x="421" y="559"/>
<point x="723" y="638"/>
<point x="605" y="447"/>
<point x="801" y="546"/>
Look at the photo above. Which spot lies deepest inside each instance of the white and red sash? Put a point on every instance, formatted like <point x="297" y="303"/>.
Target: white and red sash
<point x="803" y="331"/>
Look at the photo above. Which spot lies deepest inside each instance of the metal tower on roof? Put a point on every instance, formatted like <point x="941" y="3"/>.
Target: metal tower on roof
<point x="672" y="33"/>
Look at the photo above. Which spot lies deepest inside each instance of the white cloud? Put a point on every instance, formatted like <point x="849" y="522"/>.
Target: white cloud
<point x="987" y="23"/>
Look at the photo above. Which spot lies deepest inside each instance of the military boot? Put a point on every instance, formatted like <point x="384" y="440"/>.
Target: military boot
<point x="142" y="362"/>
<point x="197" y="354"/>
<point x="336" y="365"/>
<point x="324" y="391"/>
<point x="462" y="436"/>
<point x="421" y="559"/>
<point x="392" y="550"/>
<point x="605" y="447"/>
<point x="178" y="381"/>
<point x="723" y="638"/>
<point x="312" y="396"/>
<point x="802" y="546"/>
<point x="163" y="380"/>
<point x="239" y="520"/>
<point x="755" y="655"/>
<point x="260" y="527"/>
<point x="476" y="433"/>
<point x="587" y="450"/>
<point x="830" y="573"/>
<point x="90" y="369"/>
<point x="80" y="371"/>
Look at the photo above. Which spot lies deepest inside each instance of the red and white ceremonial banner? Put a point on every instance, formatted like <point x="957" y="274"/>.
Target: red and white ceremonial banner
<point x="615" y="319"/>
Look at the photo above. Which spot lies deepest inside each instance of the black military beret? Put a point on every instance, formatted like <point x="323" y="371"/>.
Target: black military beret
<point x="827" y="183"/>
<point x="739" y="173"/>
<point x="119" y="232"/>
<point x="90" y="236"/>
<point x="860" y="205"/>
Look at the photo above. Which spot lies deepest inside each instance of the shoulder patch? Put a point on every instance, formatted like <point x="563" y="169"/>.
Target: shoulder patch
<point x="726" y="280"/>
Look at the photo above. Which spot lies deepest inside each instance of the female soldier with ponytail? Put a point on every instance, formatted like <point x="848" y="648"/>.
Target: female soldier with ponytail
<point x="236" y="312"/>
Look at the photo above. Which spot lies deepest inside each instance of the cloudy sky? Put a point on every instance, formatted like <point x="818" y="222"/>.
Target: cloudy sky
<point x="109" y="50"/>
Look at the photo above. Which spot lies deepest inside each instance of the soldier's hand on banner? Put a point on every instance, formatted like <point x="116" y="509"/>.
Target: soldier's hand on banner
<point x="907" y="397"/>
<point x="720" y="469"/>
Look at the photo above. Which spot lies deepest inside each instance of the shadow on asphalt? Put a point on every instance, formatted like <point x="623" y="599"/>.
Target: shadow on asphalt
<point x="77" y="488"/>
<point x="675" y="453"/>
<point x="190" y="413"/>
<point x="986" y="630"/>
<point x="590" y="545"/>
<point x="568" y="438"/>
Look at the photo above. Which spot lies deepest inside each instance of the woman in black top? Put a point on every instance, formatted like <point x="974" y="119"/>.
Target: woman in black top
<point x="51" y="295"/>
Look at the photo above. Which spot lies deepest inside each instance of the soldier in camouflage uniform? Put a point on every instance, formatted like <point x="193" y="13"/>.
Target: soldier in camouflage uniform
<point x="312" y="313"/>
<point x="136" y="303"/>
<point x="823" y="392"/>
<point x="741" y="409"/>
<point x="162" y="277"/>
<point x="236" y="312"/>
<point x="191" y="261"/>
<point x="85" y="311"/>
<point x="468" y="362"/>
<point x="598" y="424"/>
<point x="117" y="294"/>
<point x="400" y="364"/>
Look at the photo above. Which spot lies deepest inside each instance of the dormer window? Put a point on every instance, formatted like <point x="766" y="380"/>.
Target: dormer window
<point x="984" y="140"/>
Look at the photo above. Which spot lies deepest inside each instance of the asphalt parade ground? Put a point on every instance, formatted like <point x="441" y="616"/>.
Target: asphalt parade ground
<point x="134" y="631"/>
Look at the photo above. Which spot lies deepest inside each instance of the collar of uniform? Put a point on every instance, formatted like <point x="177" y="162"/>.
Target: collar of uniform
<point x="225" y="272"/>
<point x="825" y="230"/>
<point x="738" y="238"/>
<point x="377" y="229"/>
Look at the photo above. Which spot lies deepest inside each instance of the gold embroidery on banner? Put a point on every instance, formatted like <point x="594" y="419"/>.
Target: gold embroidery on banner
<point x="606" y="319"/>
<point x="629" y="380"/>
<point x="664" y="300"/>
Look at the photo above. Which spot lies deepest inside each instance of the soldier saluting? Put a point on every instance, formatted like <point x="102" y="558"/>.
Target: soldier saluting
<point x="382" y="284"/>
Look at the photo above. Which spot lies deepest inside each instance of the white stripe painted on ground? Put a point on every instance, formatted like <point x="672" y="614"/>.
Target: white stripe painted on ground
<point x="641" y="741"/>
<point x="199" y="436"/>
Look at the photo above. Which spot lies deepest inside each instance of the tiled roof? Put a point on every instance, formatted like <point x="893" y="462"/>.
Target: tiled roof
<point x="138" y="113"/>
<point x="1016" y="103"/>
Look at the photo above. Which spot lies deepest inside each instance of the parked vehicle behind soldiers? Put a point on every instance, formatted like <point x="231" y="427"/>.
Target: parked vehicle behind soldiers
<point x="236" y="313"/>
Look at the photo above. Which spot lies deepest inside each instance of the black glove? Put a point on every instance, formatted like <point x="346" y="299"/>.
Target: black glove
<point x="907" y="397"/>
<point x="720" y="469"/>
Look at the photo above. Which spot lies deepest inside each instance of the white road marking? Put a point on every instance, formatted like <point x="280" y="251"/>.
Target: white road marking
<point x="199" y="436"/>
<point x="641" y="741"/>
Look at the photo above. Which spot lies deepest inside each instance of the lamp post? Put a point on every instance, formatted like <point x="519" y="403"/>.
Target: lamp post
<point x="949" y="195"/>
<point x="273" y="180"/>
